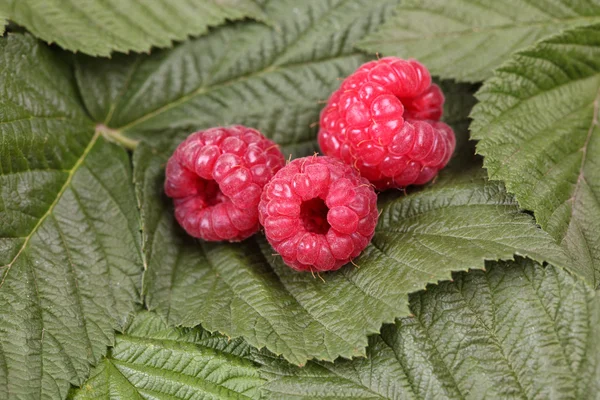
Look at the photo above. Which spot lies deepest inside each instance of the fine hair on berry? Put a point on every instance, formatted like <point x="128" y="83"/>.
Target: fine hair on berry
<point x="216" y="177"/>
<point x="318" y="213"/>
<point x="384" y="120"/>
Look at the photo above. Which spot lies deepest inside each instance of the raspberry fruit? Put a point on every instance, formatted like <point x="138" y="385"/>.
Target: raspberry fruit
<point x="216" y="178"/>
<point x="383" y="120"/>
<point x="318" y="213"/>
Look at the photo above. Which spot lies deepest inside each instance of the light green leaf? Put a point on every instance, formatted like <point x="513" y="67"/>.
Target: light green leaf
<point x="537" y="126"/>
<point x="243" y="289"/>
<point x="268" y="77"/>
<point x="70" y="250"/>
<point x="99" y="28"/>
<point x="516" y="330"/>
<point x="152" y="360"/>
<point x="466" y="40"/>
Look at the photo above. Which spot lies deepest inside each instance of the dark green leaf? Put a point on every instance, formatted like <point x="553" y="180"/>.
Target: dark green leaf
<point x="69" y="228"/>
<point x="516" y="330"/>
<point x="101" y="27"/>
<point x="537" y="126"/>
<point x="268" y="77"/>
<point x="153" y="361"/>
<point x="466" y="40"/>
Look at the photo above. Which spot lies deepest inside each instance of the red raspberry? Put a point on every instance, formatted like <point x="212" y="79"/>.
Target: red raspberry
<point x="382" y="120"/>
<point x="318" y="213"/>
<point x="216" y="177"/>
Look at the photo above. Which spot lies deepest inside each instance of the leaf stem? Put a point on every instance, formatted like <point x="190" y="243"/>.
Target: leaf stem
<point x="116" y="136"/>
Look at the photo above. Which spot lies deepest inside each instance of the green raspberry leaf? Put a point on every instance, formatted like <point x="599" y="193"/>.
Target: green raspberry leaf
<point x="70" y="249"/>
<point x="272" y="78"/>
<point x="99" y="28"/>
<point x="243" y="289"/>
<point x="71" y="252"/>
<point x="466" y="40"/>
<point x="152" y="360"/>
<point x="516" y="330"/>
<point x="537" y="126"/>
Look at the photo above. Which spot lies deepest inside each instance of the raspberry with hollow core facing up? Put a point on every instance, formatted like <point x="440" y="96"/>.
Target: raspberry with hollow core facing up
<point x="216" y="177"/>
<point x="384" y="120"/>
<point x="318" y="213"/>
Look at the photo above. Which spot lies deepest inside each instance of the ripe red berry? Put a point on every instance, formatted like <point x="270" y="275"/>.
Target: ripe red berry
<point x="216" y="177"/>
<point x="383" y="121"/>
<point x="318" y="213"/>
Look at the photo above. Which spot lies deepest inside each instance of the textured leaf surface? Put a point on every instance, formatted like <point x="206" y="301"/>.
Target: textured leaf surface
<point x="466" y="40"/>
<point x="70" y="251"/>
<point x="153" y="361"/>
<point x="268" y="77"/>
<point x="538" y="129"/>
<point x="516" y="330"/>
<point x="98" y="28"/>
<point x="244" y="290"/>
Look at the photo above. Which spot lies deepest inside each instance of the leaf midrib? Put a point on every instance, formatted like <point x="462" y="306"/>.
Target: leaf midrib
<point x="200" y="383"/>
<point x="182" y="345"/>
<point x="59" y="195"/>
<point x="560" y="343"/>
<point x="492" y="332"/>
<point x="573" y="198"/>
<point x="580" y="176"/>
<point x="271" y="68"/>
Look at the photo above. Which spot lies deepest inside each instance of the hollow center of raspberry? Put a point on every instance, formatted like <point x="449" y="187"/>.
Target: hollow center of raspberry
<point x="211" y="194"/>
<point x="313" y="214"/>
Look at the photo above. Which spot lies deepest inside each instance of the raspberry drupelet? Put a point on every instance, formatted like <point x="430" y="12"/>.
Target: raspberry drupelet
<point x="384" y="120"/>
<point x="318" y="213"/>
<point x="216" y="177"/>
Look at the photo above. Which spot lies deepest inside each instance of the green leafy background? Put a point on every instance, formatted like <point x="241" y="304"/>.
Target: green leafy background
<point x="517" y="330"/>
<point x="99" y="28"/>
<point x="552" y="162"/>
<point x="466" y="39"/>
<point x="102" y="295"/>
